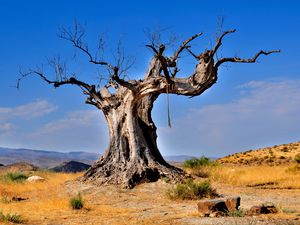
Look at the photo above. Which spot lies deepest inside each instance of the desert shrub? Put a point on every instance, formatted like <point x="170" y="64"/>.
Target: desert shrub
<point x="6" y="199"/>
<point x="198" y="166"/>
<point x="236" y="213"/>
<point x="11" y="217"/>
<point x="288" y="210"/>
<point x="194" y="163"/>
<point x="191" y="190"/>
<point x="297" y="158"/>
<point x="76" y="202"/>
<point x="15" y="177"/>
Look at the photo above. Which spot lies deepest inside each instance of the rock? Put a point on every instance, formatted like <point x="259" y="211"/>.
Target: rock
<point x="35" y="179"/>
<point x="217" y="207"/>
<point x="18" y="199"/>
<point x="265" y="208"/>
<point x="233" y="203"/>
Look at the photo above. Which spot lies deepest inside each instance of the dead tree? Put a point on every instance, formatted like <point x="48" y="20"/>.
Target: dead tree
<point x="133" y="156"/>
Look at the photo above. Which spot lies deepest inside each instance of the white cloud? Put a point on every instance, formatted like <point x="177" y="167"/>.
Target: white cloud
<point x="266" y="113"/>
<point x="31" y="110"/>
<point x="6" y="127"/>
<point x="82" y="130"/>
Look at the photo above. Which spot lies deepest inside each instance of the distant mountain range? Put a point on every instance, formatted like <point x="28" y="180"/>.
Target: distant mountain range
<point x="44" y="159"/>
<point x="48" y="159"/>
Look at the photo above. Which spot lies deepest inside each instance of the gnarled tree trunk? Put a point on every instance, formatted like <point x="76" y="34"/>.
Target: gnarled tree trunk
<point x="132" y="156"/>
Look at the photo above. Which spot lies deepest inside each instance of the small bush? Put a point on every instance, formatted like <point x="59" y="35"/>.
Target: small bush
<point x="11" y="217"/>
<point x="191" y="190"/>
<point x="6" y="199"/>
<point x="199" y="167"/>
<point x="195" y="163"/>
<point x="15" y="177"/>
<point x="287" y="210"/>
<point x="236" y="213"/>
<point x="297" y="158"/>
<point x="76" y="202"/>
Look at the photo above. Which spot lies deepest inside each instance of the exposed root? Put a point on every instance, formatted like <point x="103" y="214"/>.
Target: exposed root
<point x="131" y="174"/>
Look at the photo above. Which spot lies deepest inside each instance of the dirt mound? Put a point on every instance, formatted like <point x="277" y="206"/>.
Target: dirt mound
<point x="18" y="167"/>
<point x="276" y="155"/>
<point x="71" y="167"/>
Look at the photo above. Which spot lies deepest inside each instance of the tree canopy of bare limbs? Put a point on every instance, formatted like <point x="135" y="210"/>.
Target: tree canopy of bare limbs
<point x="132" y="156"/>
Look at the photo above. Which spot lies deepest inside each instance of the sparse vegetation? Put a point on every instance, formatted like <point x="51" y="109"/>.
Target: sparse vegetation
<point x="15" y="177"/>
<point x="191" y="190"/>
<point x="279" y="176"/>
<point x="76" y="202"/>
<point x="11" y="217"/>
<point x="288" y="210"/>
<point x="198" y="166"/>
<point x="297" y="158"/>
<point x="6" y="199"/>
<point x="236" y="213"/>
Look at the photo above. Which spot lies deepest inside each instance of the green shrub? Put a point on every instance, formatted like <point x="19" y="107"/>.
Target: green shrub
<point x="200" y="167"/>
<point x="76" y="202"/>
<point x="11" y="217"/>
<point x="236" y="213"/>
<point x="191" y="190"/>
<point x="195" y="163"/>
<point x="297" y="158"/>
<point x="15" y="177"/>
<point x="288" y="210"/>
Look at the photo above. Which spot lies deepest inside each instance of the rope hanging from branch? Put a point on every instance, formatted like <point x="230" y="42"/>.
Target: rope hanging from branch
<point x="168" y="107"/>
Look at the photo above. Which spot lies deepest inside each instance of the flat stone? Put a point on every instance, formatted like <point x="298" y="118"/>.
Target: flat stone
<point x="218" y="206"/>
<point x="35" y="179"/>
<point x="265" y="208"/>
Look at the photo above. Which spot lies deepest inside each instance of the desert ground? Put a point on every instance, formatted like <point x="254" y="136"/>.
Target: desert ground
<point x="47" y="202"/>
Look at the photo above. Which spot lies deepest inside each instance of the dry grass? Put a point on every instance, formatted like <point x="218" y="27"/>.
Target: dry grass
<point x="276" y="155"/>
<point x="47" y="196"/>
<point x="48" y="201"/>
<point x="260" y="176"/>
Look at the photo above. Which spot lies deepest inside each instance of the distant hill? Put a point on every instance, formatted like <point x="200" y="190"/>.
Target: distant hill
<point x="49" y="159"/>
<point x="18" y="167"/>
<point x="71" y="167"/>
<point x="276" y="155"/>
<point x="44" y="159"/>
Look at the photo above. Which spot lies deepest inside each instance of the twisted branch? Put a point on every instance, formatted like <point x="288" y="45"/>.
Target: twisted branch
<point x="250" y="60"/>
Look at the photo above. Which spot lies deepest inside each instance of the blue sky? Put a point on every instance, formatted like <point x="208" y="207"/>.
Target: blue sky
<point x="252" y="105"/>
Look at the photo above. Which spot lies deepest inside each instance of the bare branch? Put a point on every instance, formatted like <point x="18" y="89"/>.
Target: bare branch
<point x="72" y="80"/>
<point x="184" y="45"/>
<point x="219" y="41"/>
<point x="153" y="48"/>
<point x="193" y="54"/>
<point x="122" y="82"/>
<point x="250" y="60"/>
<point x="75" y="37"/>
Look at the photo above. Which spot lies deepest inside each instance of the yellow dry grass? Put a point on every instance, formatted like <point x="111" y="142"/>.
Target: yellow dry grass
<point x="284" y="176"/>
<point x="46" y="196"/>
<point x="276" y="155"/>
<point x="48" y="201"/>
